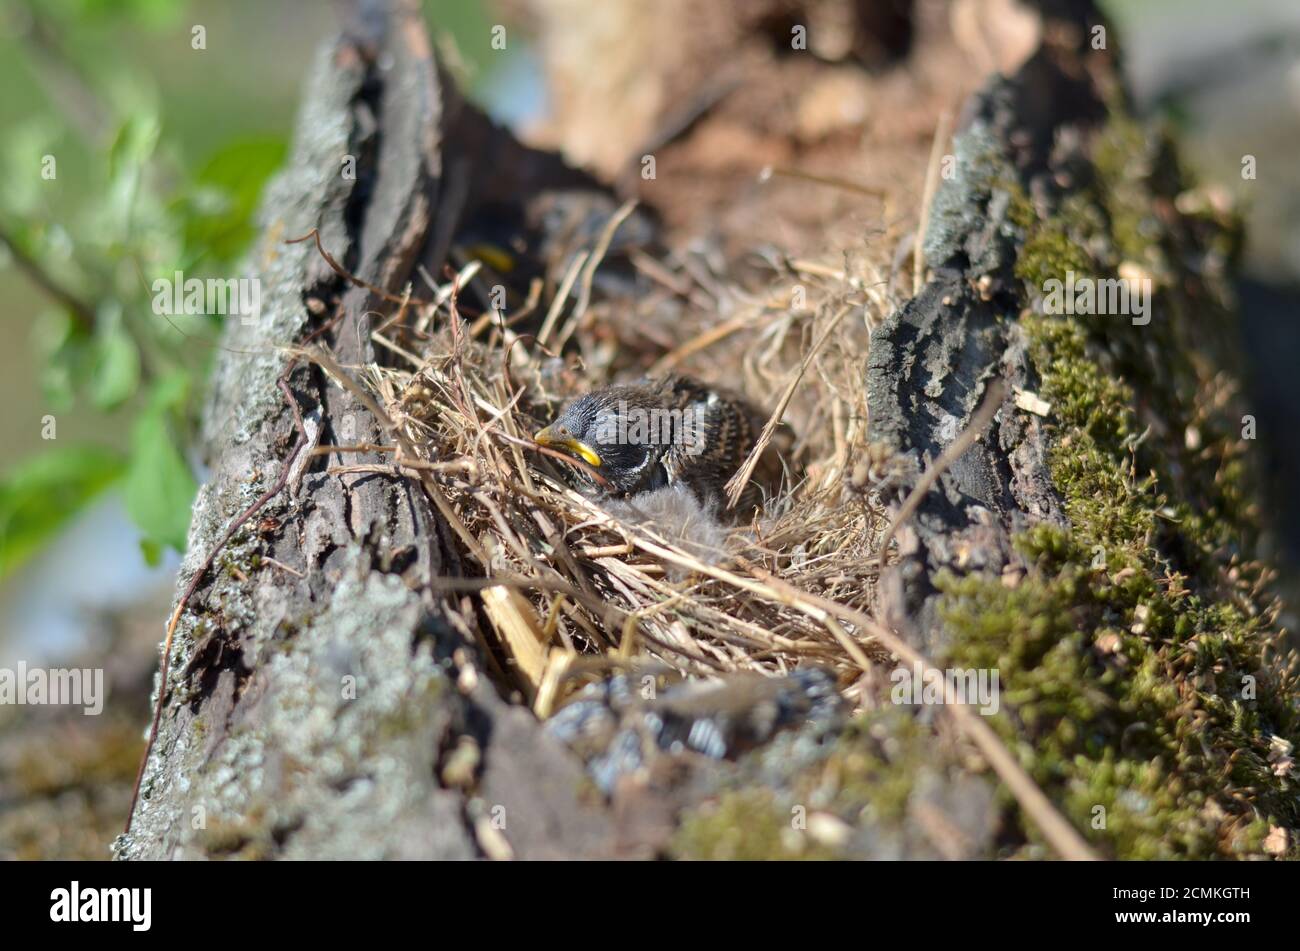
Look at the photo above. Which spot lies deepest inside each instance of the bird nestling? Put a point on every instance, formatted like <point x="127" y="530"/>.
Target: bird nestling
<point x="672" y="431"/>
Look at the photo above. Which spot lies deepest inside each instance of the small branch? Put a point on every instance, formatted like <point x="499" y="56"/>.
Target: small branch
<point x="82" y="312"/>
<point x="589" y="270"/>
<point x="769" y="171"/>
<point x="341" y="271"/>
<point x="63" y="78"/>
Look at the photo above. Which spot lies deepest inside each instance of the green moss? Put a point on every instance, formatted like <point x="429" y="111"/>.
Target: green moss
<point x="866" y="777"/>
<point x="1050" y="250"/>
<point x="1149" y="726"/>
<point x="747" y="825"/>
<point x="1126" y="156"/>
<point x="1132" y="654"/>
<point x="873" y="768"/>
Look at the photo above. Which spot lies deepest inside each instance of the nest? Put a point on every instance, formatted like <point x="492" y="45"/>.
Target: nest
<point x="571" y="584"/>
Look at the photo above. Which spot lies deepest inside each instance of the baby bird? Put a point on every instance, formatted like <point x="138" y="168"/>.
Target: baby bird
<point x="673" y="431"/>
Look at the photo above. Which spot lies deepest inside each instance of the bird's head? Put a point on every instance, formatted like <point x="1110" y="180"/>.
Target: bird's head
<point x="596" y="429"/>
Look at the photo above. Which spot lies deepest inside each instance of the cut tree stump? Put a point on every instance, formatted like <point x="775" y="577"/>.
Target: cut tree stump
<point x="328" y="700"/>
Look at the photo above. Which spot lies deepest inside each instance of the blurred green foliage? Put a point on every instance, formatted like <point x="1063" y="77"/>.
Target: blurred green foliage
<point x="141" y="211"/>
<point x="160" y="155"/>
<point x="40" y="494"/>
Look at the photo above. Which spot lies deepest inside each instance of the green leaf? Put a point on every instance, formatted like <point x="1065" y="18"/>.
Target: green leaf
<point x="159" y="488"/>
<point x="115" y="372"/>
<point x="218" y="210"/>
<point x="151" y="551"/>
<point x="40" y="494"/>
<point x="136" y="139"/>
<point x="59" y="342"/>
<point x="23" y="190"/>
<point x="241" y="167"/>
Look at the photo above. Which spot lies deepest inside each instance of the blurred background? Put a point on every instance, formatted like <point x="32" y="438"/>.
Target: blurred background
<point x="160" y="151"/>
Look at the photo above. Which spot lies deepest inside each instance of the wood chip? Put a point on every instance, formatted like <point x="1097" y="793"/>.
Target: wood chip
<point x="1031" y="402"/>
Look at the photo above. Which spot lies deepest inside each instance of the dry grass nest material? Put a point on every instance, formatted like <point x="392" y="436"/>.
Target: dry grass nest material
<point x="572" y="585"/>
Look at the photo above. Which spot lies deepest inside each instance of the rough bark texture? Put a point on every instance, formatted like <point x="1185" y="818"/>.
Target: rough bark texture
<point x="931" y="363"/>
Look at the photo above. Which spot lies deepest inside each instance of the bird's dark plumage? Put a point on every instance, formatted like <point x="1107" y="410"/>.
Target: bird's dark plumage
<point x="671" y="431"/>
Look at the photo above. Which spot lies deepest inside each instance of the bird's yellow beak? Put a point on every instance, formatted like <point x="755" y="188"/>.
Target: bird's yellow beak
<point x="567" y="443"/>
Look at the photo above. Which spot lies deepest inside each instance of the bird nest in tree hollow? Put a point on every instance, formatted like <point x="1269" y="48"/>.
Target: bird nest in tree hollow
<point x="573" y="582"/>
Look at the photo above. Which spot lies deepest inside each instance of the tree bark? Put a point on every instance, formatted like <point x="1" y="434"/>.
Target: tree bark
<point x="931" y="364"/>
